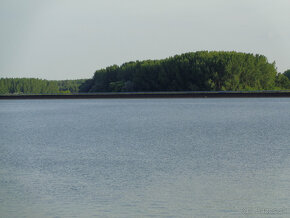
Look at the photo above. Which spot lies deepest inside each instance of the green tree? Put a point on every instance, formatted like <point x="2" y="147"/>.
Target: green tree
<point x="282" y="82"/>
<point x="287" y="73"/>
<point x="38" y="86"/>
<point x="195" y="71"/>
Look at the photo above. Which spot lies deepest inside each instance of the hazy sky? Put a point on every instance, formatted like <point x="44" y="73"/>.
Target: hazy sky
<point x="69" y="39"/>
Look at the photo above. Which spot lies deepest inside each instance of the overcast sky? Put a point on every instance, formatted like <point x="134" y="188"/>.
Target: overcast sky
<point x="69" y="39"/>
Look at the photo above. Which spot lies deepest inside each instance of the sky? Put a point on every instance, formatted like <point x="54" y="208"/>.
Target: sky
<point x="71" y="39"/>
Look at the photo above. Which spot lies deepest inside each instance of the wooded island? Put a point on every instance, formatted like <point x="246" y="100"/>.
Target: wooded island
<point x="195" y="71"/>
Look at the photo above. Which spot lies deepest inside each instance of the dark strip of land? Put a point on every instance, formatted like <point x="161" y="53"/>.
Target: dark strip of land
<point x="226" y="94"/>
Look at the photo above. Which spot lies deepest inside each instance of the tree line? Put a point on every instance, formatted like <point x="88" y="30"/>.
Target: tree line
<point x="38" y="86"/>
<point x="196" y="71"/>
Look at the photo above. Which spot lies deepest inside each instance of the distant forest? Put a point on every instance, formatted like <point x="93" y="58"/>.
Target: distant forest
<point x="199" y="71"/>
<point x="196" y="71"/>
<point x="39" y="86"/>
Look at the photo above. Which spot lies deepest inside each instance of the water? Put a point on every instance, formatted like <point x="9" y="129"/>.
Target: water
<point x="145" y="158"/>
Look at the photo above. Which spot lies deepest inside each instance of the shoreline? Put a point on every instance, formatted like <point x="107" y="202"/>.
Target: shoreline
<point x="128" y="95"/>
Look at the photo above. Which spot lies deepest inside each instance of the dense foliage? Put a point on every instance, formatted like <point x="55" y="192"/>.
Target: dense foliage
<point x="199" y="71"/>
<point x="70" y="86"/>
<point x="287" y="73"/>
<point x="38" y="86"/>
<point x="282" y="82"/>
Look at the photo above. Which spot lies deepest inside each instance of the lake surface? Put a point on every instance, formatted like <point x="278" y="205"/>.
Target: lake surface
<point x="145" y="158"/>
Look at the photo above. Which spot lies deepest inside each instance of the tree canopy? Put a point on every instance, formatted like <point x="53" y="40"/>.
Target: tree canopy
<point x="287" y="73"/>
<point x="196" y="71"/>
<point x="38" y="86"/>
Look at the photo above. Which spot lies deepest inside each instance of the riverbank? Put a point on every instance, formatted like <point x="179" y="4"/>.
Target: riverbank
<point x="254" y="94"/>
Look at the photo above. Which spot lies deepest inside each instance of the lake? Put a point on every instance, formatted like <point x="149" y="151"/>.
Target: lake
<point x="145" y="158"/>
